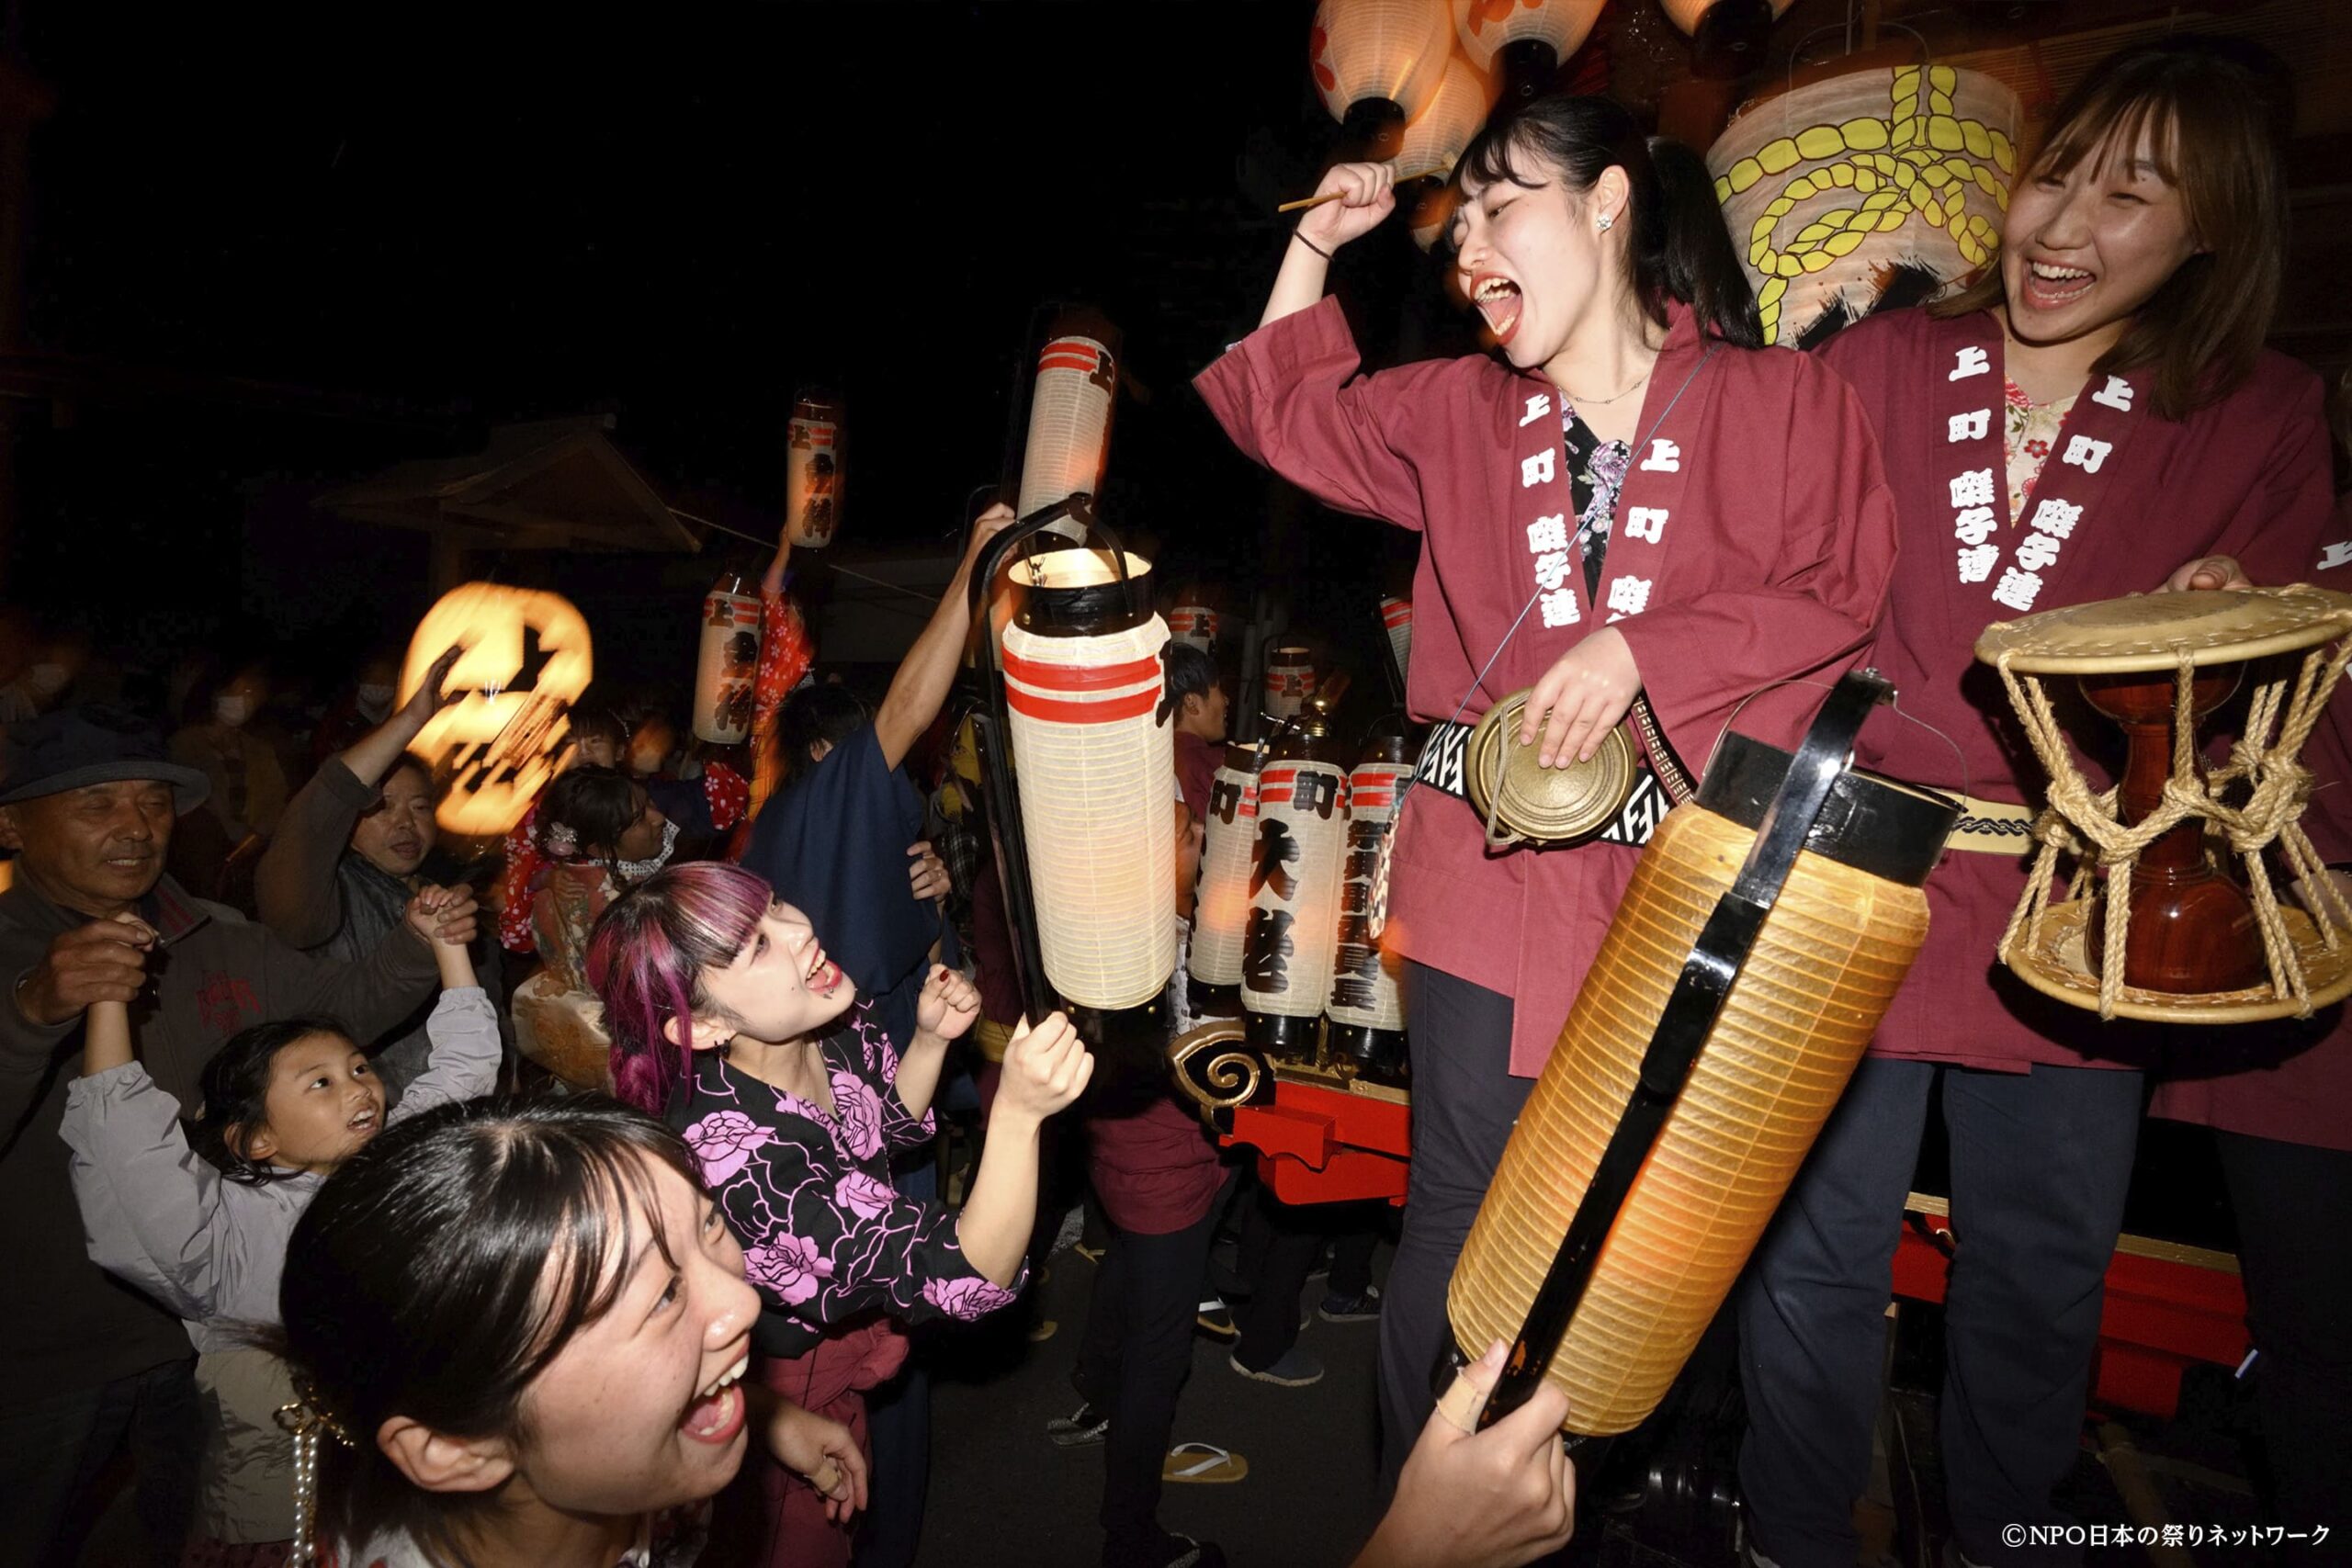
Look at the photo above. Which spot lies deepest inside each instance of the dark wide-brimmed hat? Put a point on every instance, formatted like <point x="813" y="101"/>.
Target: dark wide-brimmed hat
<point x="77" y="747"/>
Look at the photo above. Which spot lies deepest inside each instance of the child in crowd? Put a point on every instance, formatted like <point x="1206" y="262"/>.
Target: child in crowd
<point x="284" y="1103"/>
<point x="728" y="1018"/>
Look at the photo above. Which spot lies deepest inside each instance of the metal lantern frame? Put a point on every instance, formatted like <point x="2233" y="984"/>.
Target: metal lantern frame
<point x="993" y="731"/>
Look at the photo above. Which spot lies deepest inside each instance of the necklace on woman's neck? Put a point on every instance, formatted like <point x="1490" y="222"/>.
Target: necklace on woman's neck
<point x="1635" y="384"/>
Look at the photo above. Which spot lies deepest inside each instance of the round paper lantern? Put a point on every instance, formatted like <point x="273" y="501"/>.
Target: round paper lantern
<point x="1195" y="625"/>
<point x="1435" y="139"/>
<point x="495" y="748"/>
<point x="1802" y="1005"/>
<point x="1367" y="1012"/>
<point x="727" y="663"/>
<point x="1287" y="950"/>
<point x="1396" y="614"/>
<point x="1727" y="36"/>
<point x="1533" y="38"/>
<point x="1082" y="680"/>
<point x="1290" y="681"/>
<point x="1378" y="63"/>
<point x="812" y="474"/>
<point x="1878" y="185"/>
<point x="1069" y="418"/>
<point x="1221" y="903"/>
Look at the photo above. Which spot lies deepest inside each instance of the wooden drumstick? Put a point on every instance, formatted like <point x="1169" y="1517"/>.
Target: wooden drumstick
<point x="1335" y="195"/>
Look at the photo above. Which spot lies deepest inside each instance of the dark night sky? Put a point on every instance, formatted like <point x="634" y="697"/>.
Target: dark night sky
<point x="678" y="222"/>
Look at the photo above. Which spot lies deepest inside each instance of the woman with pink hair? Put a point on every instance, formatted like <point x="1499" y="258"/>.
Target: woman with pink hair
<point x="730" y="1022"/>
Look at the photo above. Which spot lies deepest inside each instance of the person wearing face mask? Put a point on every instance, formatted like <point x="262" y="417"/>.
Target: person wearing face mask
<point x="1628" y="500"/>
<point x="41" y="684"/>
<point x="363" y="706"/>
<point x="729" y="1017"/>
<point x="349" y="854"/>
<point x="2094" y="412"/>
<point x="248" y="783"/>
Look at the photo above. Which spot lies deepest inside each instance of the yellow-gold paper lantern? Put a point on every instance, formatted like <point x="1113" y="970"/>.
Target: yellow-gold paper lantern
<point x="1082" y="681"/>
<point x="1800" y="1008"/>
<point x="496" y="747"/>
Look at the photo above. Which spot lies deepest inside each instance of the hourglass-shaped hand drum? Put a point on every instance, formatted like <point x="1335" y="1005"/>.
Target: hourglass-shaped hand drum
<point x="2171" y="933"/>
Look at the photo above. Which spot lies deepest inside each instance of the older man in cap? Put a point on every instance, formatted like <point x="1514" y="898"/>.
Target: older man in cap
<point x="87" y="805"/>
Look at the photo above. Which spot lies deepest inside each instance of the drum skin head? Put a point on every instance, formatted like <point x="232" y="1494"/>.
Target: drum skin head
<point x="2148" y="632"/>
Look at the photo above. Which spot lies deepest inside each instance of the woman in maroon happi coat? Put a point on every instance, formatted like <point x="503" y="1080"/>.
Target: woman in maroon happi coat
<point x="2093" y="414"/>
<point x="1631" y="499"/>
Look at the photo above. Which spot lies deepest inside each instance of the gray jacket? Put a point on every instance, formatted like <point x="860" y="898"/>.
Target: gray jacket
<point x="210" y="1248"/>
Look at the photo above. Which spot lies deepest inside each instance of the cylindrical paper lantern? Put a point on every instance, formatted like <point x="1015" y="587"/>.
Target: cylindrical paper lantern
<point x="1396" y="614"/>
<point x="1294" y="894"/>
<point x="728" y="663"/>
<point x="1437" y="136"/>
<point x="813" y="471"/>
<point x="1831" y="952"/>
<point x="1533" y="38"/>
<point x="1195" y="625"/>
<point x="1069" y="419"/>
<point x="1377" y="62"/>
<point x="1290" y="681"/>
<point x="1367" y="1012"/>
<point x="1229" y="851"/>
<point x="1082" y="679"/>
<point x="1833" y="211"/>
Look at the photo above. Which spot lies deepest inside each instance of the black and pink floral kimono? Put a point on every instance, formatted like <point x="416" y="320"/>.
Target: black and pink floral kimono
<point x="826" y="1238"/>
<point x="841" y="1257"/>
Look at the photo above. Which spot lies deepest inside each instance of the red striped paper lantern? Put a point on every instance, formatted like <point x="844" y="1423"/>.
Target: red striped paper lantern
<point x="1195" y="625"/>
<point x="1294" y="895"/>
<point x="1366" y="1008"/>
<point x="1082" y="682"/>
<point x="812" y="491"/>
<point x="1396" y="614"/>
<point x="728" y="662"/>
<point x="1290" y="681"/>
<point x="1069" y="418"/>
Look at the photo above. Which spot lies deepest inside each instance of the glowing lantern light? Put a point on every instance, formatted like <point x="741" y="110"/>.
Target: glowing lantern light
<point x="1195" y="625"/>
<point x="1727" y="36"/>
<point x="1082" y="681"/>
<point x="1396" y="614"/>
<point x="499" y="747"/>
<point x="1876" y="185"/>
<point x="728" y="662"/>
<point x="1070" y="417"/>
<point x="1290" y="681"/>
<point x="1687" y="1122"/>
<point x="1377" y="63"/>
<point x="1367" y="1011"/>
<point x="812" y="488"/>
<point x="1294" y="894"/>
<point x="1533" y="36"/>
<point x="1436" y="137"/>
<point x="1221" y="903"/>
<point x="1432" y="213"/>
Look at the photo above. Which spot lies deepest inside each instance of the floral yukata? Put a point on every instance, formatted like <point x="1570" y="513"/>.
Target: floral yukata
<point x="826" y="1236"/>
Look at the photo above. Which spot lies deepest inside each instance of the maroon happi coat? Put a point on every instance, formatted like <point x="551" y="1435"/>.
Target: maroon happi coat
<point x="2290" y="1081"/>
<point x="1753" y="543"/>
<point x="2125" y="497"/>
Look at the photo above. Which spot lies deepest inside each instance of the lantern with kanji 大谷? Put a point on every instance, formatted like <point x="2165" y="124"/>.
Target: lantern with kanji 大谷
<point x="1295" y="868"/>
